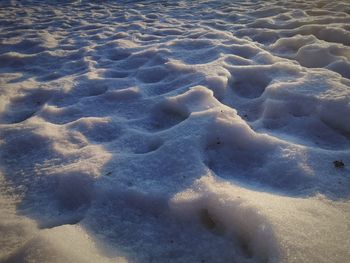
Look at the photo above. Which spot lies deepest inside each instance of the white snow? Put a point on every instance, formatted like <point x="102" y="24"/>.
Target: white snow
<point x="175" y="131"/>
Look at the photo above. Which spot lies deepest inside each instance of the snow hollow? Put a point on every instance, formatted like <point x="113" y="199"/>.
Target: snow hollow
<point x="175" y="131"/>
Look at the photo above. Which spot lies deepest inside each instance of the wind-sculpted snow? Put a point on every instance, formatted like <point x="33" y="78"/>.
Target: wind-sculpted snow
<point x="174" y="131"/>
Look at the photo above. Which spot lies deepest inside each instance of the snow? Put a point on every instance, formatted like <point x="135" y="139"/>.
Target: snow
<point x="175" y="131"/>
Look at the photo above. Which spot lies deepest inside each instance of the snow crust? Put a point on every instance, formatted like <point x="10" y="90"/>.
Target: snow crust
<point x="175" y="131"/>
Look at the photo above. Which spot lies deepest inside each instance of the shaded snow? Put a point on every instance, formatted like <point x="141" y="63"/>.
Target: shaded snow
<point x="174" y="131"/>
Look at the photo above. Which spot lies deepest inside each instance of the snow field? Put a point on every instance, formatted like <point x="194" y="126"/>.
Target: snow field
<point x="147" y="132"/>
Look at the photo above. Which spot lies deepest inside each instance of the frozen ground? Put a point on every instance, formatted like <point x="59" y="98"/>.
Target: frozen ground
<point x="175" y="131"/>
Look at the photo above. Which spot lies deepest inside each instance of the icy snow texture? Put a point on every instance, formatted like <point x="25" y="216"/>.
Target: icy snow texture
<point x="174" y="131"/>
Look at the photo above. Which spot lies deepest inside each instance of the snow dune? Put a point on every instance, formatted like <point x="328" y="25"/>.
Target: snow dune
<point x="175" y="131"/>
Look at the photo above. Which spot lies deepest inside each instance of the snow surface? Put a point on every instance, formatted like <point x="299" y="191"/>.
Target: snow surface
<point x="175" y="131"/>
